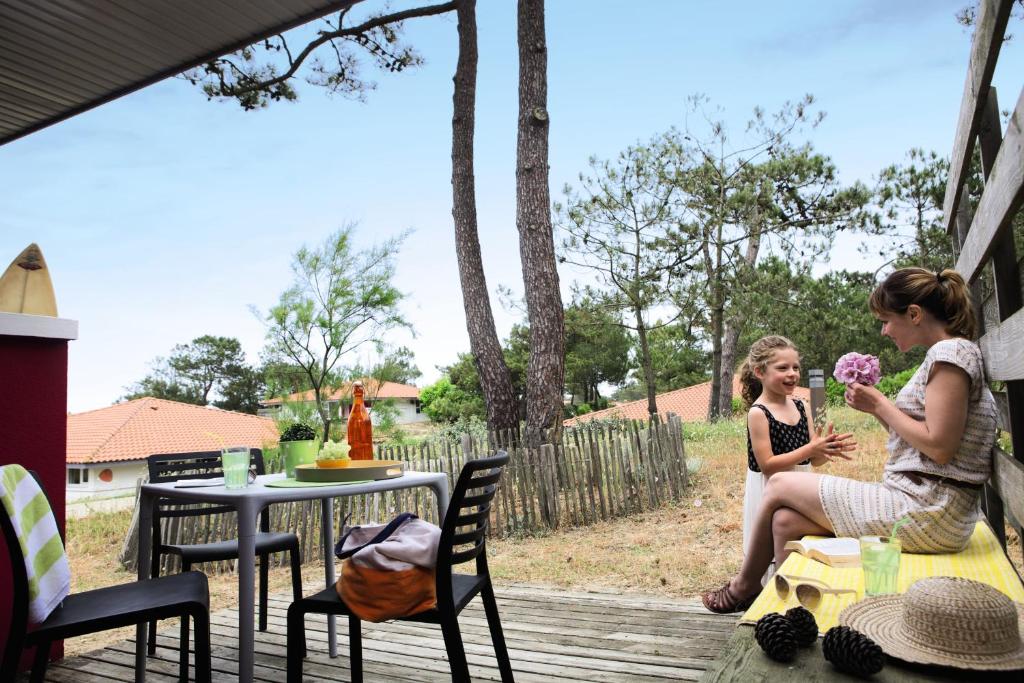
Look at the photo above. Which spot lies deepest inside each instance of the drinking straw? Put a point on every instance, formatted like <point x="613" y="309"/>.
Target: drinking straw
<point x="902" y="521"/>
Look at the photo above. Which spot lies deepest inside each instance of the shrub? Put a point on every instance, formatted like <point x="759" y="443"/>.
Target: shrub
<point x="300" y="431"/>
<point x="890" y="385"/>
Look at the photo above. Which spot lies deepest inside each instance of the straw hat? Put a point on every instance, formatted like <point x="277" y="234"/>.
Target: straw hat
<point x="944" y="621"/>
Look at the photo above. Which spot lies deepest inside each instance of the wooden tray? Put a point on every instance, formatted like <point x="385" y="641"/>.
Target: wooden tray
<point x="357" y="470"/>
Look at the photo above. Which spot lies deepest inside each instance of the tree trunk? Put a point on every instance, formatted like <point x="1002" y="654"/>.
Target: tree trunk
<point x="717" y="315"/>
<point x="734" y="326"/>
<point x="645" y="363"/>
<point x="545" y="372"/>
<point x="730" y="340"/>
<point x="495" y="381"/>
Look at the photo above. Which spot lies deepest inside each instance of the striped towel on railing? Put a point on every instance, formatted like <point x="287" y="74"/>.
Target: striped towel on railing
<point x="49" y="576"/>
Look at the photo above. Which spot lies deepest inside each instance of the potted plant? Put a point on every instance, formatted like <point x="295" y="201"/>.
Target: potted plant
<point x="299" y="446"/>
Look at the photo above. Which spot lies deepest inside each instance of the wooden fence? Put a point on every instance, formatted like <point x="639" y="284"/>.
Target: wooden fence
<point x="597" y="472"/>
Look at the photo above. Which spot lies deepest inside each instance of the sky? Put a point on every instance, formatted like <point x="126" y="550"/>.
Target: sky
<point x="164" y="216"/>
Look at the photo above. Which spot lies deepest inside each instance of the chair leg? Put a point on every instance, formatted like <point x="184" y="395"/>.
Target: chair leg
<point x="154" y="573"/>
<point x="264" y="580"/>
<point x="204" y="667"/>
<point x="355" y="649"/>
<point x="183" y="637"/>
<point x="12" y="652"/>
<point x="296" y="642"/>
<point x="183" y="650"/>
<point x="497" y="635"/>
<point x="39" y="663"/>
<point x="456" y="651"/>
<point x="296" y="563"/>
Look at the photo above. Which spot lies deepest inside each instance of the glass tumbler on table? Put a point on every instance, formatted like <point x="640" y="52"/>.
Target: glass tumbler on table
<point x="880" y="560"/>
<point x="235" y="463"/>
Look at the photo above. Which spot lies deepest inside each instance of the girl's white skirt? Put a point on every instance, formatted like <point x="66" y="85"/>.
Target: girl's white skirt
<point x="752" y="494"/>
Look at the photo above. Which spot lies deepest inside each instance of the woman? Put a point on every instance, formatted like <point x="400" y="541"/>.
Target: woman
<point x="939" y="458"/>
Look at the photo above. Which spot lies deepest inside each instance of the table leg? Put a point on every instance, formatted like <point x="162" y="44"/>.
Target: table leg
<point x="441" y="494"/>
<point x="143" y="558"/>
<point x="327" y="522"/>
<point x="246" y="589"/>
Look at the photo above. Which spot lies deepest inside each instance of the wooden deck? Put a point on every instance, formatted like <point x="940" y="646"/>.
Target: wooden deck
<point x="552" y="635"/>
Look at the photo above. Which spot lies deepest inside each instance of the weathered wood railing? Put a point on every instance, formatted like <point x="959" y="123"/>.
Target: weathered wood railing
<point x="596" y="472"/>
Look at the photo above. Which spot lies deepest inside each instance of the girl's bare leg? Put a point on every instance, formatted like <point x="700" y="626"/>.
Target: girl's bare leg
<point x="797" y="494"/>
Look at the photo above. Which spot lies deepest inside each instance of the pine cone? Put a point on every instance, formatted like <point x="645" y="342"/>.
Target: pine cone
<point x="804" y="625"/>
<point x="776" y="636"/>
<point x="851" y="651"/>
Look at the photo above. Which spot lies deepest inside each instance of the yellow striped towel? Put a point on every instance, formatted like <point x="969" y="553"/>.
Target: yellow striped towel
<point x="982" y="560"/>
<point x="49" y="576"/>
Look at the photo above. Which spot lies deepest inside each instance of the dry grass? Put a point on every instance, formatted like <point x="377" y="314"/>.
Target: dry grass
<point x="677" y="550"/>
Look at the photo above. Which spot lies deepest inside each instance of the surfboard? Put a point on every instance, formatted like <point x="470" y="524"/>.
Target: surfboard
<point x="25" y="286"/>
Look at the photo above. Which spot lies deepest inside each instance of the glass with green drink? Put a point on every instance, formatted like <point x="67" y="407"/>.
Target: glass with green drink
<point x="235" y="463"/>
<point x="880" y="559"/>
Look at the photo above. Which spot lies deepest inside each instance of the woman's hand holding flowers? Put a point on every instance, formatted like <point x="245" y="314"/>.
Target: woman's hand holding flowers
<point x="864" y="398"/>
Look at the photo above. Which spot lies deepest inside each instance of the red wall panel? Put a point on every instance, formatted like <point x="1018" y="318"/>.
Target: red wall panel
<point x="33" y="429"/>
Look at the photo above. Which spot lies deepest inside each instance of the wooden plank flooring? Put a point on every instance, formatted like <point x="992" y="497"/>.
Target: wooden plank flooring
<point x="552" y="635"/>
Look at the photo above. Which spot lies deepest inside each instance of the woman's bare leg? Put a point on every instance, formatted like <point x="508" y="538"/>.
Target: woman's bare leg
<point x="797" y="491"/>
<point x="789" y="525"/>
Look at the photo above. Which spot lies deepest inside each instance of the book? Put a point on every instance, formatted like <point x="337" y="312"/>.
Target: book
<point x="835" y="552"/>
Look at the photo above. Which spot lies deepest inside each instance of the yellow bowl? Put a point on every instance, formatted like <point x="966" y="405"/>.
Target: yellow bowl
<point x="333" y="463"/>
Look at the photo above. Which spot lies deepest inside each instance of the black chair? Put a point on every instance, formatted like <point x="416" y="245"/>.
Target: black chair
<point x="454" y="591"/>
<point x="184" y="595"/>
<point x="170" y="467"/>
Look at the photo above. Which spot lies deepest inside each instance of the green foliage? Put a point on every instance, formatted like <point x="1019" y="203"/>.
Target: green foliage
<point x="298" y="431"/>
<point x="825" y="317"/>
<point x="339" y="48"/>
<point x="208" y="369"/>
<point x="396" y="365"/>
<point x="834" y="392"/>
<point x="890" y="385"/>
<point x="596" y="350"/>
<point x="341" y="298"/>
<point x="679" y="358"/>
<point x="443" y="401"/>
<point x="737" y="405"/>
<point x="385" y="421"/>
<point x="452" y="432"/>
<point x="910" y="197"/>
<point x="619" y="225"/>
<point x="243" y="392"/>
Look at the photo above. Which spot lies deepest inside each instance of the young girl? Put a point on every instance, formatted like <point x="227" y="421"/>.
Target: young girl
<point x="779" y="436"/>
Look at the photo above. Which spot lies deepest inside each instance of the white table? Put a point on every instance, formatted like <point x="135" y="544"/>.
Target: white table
<point x="249" y="502"/>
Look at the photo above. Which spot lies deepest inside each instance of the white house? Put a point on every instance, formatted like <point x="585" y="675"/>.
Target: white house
<point x="405" y="397"/>
<point x="107" y="448"/>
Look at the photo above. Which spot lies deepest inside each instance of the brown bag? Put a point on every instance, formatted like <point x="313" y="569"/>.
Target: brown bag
<point x="388" y="570"/>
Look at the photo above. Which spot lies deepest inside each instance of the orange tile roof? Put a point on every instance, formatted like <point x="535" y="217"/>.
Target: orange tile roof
<point x="372" y="390"/>
<point x="690" y="404"/>
<point x="136" y="429"/>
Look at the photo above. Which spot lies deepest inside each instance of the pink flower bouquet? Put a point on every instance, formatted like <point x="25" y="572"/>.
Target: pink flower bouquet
<point x="858" y="368"/>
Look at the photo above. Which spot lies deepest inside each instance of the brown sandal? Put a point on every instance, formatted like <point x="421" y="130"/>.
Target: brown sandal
<point x="722" y="601"/>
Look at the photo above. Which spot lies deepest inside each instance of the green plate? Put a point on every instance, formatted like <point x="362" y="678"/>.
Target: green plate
<point x="296" y="484"/>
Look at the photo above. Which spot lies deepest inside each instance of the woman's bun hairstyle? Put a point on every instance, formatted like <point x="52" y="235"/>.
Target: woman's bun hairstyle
<point x="760" y="355"/>
<point x="945" y="295"/>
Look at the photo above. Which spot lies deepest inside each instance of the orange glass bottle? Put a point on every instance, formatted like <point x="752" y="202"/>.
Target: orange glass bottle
<point x="360" y="429"/>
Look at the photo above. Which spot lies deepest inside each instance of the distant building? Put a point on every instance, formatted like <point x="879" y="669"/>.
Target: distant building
<point x="339" y="402"/>
<point x="689" y="403"/>
<point x="107" y="448"/>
